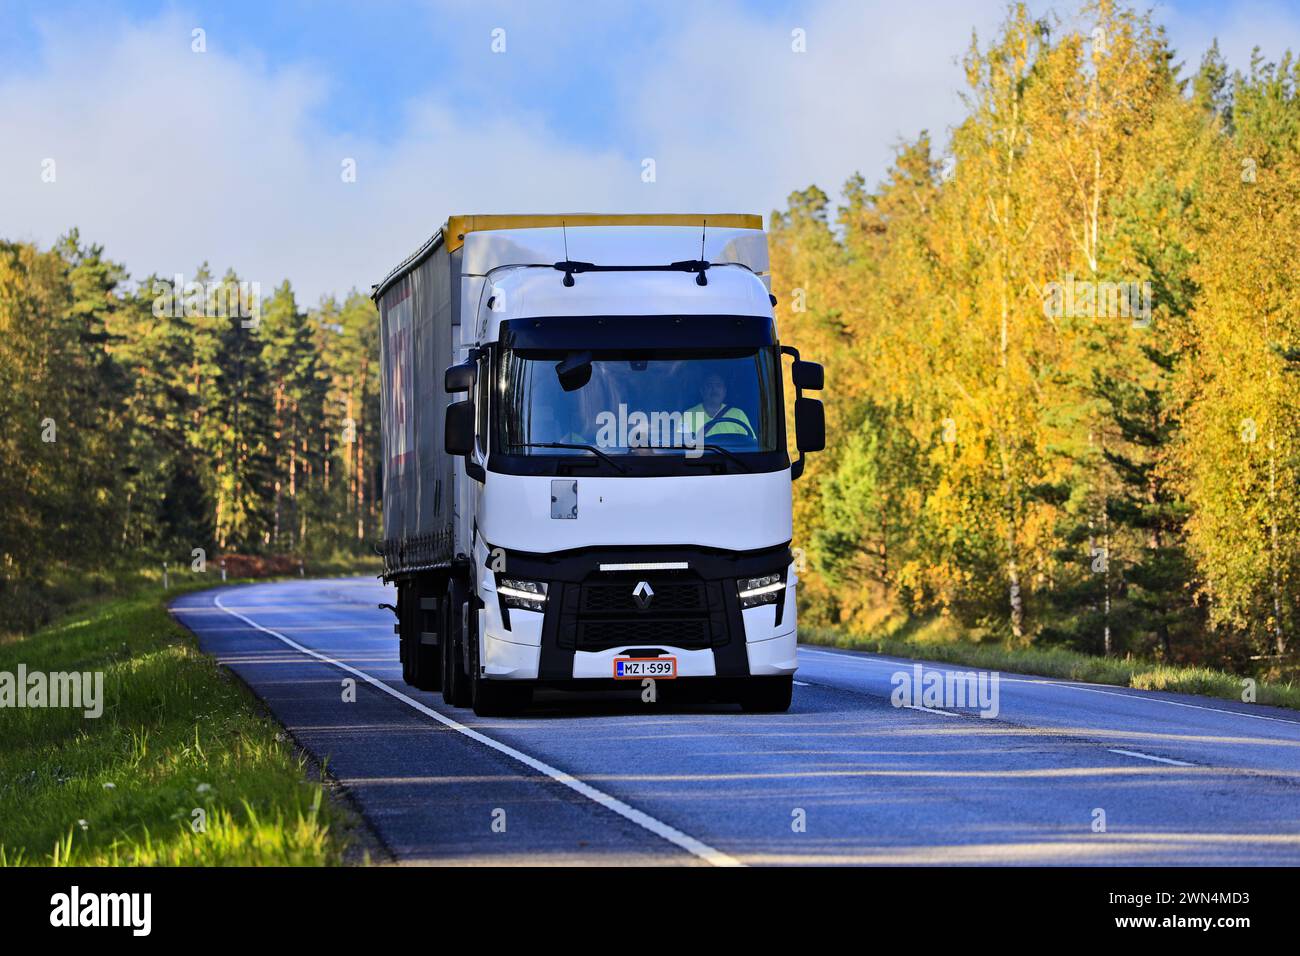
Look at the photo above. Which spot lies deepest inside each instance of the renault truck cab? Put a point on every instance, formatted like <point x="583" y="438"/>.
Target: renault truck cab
<point x="617" y="505"/>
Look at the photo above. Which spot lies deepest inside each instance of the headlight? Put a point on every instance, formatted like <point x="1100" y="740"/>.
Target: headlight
<point x="756" y="591"/>
<point x="526" y="595"/>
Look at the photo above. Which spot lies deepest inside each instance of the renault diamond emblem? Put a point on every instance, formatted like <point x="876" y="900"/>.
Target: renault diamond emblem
<point x="643" y="594"/>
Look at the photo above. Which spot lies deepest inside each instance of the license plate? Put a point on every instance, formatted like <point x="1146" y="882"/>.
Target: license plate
<point x="639" y="668"/>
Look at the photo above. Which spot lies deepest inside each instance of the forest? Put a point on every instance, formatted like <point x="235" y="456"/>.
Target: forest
<point x="175" y="420"/>
<point x="1062" y="352"/>
<point x="1063" y="356"/>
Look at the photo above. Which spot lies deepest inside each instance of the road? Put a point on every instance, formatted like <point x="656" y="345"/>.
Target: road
<point x="1065" y="773"/>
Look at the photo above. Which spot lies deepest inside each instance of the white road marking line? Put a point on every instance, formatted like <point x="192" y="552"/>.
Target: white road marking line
<point x="931" y="710"/>
<point x="1134" y="753"/>
<point x="332" y="605"/>
<point x="643" y="820"/>
<point x="1069" y="685"/>
<point x="1161" y="700"/>
<point x="928" y="710"/>
<point x="351" y="628"/>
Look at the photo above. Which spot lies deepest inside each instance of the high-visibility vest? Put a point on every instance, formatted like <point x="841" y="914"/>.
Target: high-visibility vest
<point x="696" y="419"/>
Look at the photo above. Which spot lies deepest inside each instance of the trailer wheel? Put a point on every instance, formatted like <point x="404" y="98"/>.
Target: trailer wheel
<point x="404" y="634"/>
<point x="455" y="682"/>
<point x="425" y="659"/>
<point x="767" y="695"/>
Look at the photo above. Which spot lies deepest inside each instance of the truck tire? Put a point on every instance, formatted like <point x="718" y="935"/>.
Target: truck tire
<point x="500" y="698"/>
<point x="493" y="698"/>
<point x="425" y="659"/>
<point x="767" y="695"/>
<point x="456" y="688"/>
<point x="404" y="634"/>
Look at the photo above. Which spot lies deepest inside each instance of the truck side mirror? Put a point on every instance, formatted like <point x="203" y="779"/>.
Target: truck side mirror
<point x="809" y="424"/>
<point x="458" y="435"/>
<point x="809" y="415"/>
<point x="460" y="378"/>
<point x="808" y="375"/>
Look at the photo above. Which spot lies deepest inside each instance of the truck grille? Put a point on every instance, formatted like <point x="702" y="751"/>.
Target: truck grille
<point x="598" y="635"/>
<point x="669" y="598"/>
<point x="607" y="614"/>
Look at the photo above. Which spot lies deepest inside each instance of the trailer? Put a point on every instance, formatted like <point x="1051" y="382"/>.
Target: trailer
<point x="585" y="473"/>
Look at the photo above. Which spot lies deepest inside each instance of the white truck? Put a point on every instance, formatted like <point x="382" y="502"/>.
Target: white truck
<point x="585" y="469"/>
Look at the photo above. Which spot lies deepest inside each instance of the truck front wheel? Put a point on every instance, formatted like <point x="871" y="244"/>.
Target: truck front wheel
<point x="500" y="698"/>
<point x="767" y="695"/>
<point x="492" y="698"/>
<point x="495" y="698"/>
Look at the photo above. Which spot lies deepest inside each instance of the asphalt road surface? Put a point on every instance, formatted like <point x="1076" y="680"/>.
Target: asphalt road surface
<point x="1065" y="773"/>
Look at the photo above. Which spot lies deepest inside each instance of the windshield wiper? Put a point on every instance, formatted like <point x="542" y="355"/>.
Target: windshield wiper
<point x="722" y="451"/>
<point x="563" y="444"/>
<point x="698" y="266"/>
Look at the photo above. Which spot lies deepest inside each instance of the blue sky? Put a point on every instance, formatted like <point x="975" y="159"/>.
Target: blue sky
<point x="233" y="156"/>
<point x="372" y="51"/>
<point x="375" y="55"/>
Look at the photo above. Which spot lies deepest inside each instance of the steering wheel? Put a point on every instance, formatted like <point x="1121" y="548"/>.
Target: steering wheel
<point x="749" y="432"/>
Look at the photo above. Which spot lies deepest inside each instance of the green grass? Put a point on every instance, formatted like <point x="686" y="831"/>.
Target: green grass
<point x="925" y="641"/>
<point x="29" y="603"/>
<point x="177" y="734"/>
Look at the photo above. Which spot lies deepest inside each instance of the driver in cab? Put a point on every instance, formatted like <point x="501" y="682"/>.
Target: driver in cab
<point x="713" y="416"/>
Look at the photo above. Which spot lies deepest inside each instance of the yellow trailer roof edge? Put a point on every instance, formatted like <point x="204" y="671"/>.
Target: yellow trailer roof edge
<point x="458" y="227"/>
<point x="453" y="232"/>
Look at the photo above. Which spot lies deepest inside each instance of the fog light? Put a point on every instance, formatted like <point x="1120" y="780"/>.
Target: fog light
<point x="525" y="595"/>
<point x="756" y="591"/>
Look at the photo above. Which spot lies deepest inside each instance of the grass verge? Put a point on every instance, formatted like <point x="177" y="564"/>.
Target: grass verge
<point x="31" y="603"/>
<point x="181" y="768"/>
<point x="1059" y="663"/>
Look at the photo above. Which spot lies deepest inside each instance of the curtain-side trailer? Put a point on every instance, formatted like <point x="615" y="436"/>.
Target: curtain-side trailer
<point x="585" y="470"/>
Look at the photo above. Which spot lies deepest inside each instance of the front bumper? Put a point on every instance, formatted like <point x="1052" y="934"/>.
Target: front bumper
<point x="587" y="624"/>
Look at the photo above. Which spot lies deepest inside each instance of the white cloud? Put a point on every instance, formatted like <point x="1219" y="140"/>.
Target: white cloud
<point x="732" y="109"/>
<point x="171" y="158"/>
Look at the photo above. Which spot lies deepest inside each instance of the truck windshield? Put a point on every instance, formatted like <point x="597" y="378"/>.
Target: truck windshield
<point x="684" y="405"/>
